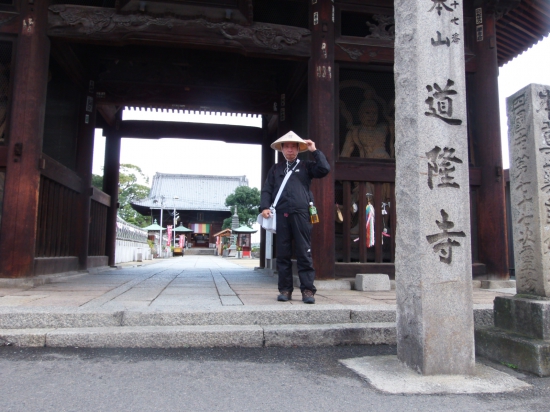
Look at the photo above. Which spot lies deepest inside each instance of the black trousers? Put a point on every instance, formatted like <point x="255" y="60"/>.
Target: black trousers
<point x="297" y="227"/>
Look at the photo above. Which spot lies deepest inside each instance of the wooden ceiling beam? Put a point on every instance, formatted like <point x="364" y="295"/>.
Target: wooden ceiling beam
<point x="105" y="26"/>
<point x="184" y="130"/>
<point x="170" y="96"/>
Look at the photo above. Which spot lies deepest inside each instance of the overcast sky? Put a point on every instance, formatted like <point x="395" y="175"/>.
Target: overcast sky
<point x="218" y="158"/>
<point x="533" y="66"/>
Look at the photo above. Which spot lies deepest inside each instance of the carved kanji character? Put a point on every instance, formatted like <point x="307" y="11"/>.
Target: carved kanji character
<point x="440" y="5"/>
<point x="439" y="165"/>
<point x="441" y="105"/>
<point x="445" y="248"/>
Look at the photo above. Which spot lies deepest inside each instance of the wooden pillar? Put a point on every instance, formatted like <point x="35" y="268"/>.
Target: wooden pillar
<point x="19" y="221"/>
<point x="84" y="163"/>
<point x="267" y="162"/>
<point x="491" y="208"/>
<point x="321" y="95"/>
<point x="110" y="186"/>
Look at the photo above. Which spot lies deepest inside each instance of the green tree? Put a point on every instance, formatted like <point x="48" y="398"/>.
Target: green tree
<point x="129" y="190"/>
<point x="97" y="181"/>
<point x="247" y="200"/>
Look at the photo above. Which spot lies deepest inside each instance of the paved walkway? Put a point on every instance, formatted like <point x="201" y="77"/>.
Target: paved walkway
<point x="183" y="283"/>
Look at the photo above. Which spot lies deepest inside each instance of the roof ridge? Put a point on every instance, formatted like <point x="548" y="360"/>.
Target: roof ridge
<point x="160" y="174"/>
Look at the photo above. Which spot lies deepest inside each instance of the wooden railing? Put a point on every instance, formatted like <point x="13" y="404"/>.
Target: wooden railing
<point x="57" y="212"/>
<point x="358" y="183"/>
<point x="98" y="223"/>
<point x="56" y="215"/>
<point x="351" y="234"/>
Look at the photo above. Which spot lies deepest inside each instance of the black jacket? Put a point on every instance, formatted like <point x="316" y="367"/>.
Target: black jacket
<point x="296" y="194"/>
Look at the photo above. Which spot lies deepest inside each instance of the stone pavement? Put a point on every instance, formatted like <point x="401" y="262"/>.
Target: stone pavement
<point x="189" y="282"/>
<point x="197" y="301"/>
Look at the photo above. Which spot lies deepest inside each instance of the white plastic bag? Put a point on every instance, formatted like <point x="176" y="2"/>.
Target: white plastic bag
<point x="269" y="224"/>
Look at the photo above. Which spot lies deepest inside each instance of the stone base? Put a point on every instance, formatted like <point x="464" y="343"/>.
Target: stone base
<point x="528" y="354"/>
<point x="97" y="261"/>
<point x="498" y="284"/>
<point x="372" y="282"/>
<point x="35" y="281"/>
<point x="524" y="315"/>
<point x="388" y="374"/>
<point x="55" y="265"/>
<point x="336" y="284"/>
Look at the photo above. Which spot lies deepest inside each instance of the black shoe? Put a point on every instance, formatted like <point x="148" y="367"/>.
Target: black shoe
<point x="284" y="296"/>
<point x="307" y="296"/>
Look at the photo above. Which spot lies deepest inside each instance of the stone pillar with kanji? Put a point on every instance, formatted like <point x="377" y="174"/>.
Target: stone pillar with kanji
<point x="433" y="264"/>
<point x="521" y="335"/>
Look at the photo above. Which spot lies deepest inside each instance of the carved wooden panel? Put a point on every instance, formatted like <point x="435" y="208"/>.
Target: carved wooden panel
<point x="91" y="23"/>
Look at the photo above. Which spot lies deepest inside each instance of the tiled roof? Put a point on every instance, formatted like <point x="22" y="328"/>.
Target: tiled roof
<point x="194" y="192"/>
<point x="523" y="27"/>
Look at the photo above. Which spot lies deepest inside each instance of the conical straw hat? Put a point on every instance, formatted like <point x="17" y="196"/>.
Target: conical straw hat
<point x="290" y="137"/>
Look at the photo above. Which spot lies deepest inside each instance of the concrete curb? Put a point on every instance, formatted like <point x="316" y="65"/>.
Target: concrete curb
<point x="331" y="335"/>
<point x="203" y="336"/>
<point x="157" y="337"/>
<point x="59" y="319"/>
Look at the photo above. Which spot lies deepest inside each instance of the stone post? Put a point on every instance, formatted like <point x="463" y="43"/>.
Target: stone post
<point x="529" y="141"/>
<point x="435" y="329"/>
<point x="521" y="335"/>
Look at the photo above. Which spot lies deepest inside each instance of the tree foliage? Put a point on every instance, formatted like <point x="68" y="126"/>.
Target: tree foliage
<point x="129" y="190"/>
<point x="247" y="200"/>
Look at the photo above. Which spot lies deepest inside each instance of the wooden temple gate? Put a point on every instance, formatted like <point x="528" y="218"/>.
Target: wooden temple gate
<point x="318" y="67"/>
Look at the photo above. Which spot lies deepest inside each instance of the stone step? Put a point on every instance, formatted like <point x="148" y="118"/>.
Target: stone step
<point x="203" y="336"/>
<point x="52" y="318"/>
<point x="231" y="315"/>
<point x="200" y="251"/>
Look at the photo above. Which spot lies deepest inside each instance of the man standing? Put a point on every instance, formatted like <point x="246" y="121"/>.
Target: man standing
<point x="293" y="211"/>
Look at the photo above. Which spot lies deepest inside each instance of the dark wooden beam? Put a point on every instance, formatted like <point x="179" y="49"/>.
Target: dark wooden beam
<point x="188" y="98"/>
<point x="184" y="130"/>
<point x="491" y="204"/>
<point x="321" y="122"/>
<point x="381" y="172"/>
<point x="84" y="158"/>
<point x="108" y="112"/>
<point x="101" y="197"/>
<point x="22" y="184"/>
<point x="110" y="187"/>
<point x="3" y="156"/>
<point x="9" y="22"/>
<point x="359" y="171"/>
<point x="297" y="83"/>
<point x="59" y="173"/>
<point x="353" y="51"/>
<point x="104" y="25"/>
<point x="64" y="55"/>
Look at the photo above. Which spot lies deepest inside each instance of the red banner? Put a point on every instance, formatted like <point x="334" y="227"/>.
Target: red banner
<point x="169" y="232"/>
